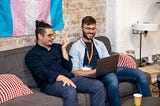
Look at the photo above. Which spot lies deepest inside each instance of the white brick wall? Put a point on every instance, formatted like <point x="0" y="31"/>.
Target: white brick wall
<point x="73" y="12"/>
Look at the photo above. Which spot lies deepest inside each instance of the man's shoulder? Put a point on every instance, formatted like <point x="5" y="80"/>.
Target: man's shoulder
<point x="33" y="50"/>
<point x="96" y="40"/>
<point x="77" y="42"/>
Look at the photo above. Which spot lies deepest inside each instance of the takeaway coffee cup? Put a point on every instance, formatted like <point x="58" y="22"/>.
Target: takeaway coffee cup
<point x="137" y="99"/>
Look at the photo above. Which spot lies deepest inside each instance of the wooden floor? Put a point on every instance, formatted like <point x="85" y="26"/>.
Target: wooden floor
<point x="154" y="90"/>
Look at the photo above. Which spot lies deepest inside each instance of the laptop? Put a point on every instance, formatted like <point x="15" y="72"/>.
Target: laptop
<point x="105" y="65"/>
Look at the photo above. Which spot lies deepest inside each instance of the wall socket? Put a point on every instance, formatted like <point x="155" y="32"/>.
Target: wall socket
<point x="144" y="61"/>
<point x="156" y="57"/>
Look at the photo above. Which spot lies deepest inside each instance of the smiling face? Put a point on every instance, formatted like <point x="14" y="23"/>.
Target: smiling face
<point x="89" y="32"/>
<point x="46" y="40"/>
<point x="88" y="28"/>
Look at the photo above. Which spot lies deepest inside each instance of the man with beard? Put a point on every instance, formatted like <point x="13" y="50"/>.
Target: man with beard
<point x="51" y="67"/>
<point x="85" y="54"/>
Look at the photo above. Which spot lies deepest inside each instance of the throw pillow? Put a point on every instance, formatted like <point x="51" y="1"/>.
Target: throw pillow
<point x="12" y="87"/>
<point x="126" y="61"/>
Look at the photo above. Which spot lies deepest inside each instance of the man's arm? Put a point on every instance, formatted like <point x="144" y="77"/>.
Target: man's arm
<point x="84" y="72"/>
<point x="65" y="43"/>
<point x="66" y="58"/>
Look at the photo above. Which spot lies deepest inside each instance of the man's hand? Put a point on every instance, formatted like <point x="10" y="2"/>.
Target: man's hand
<point x="65" y="80"/>
<point x="84" y="72"/>
<point x="65" y="43"/>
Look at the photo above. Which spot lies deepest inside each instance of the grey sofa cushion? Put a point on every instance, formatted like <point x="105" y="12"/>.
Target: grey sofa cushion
<point x="41" y="99"/>
<point x="12" y="61"/>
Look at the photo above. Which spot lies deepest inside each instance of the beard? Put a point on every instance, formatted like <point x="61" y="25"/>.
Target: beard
<point x="87" y="37"/>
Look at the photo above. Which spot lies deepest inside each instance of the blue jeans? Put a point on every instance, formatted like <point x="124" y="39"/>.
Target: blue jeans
<point x="124" y="75"/>
<point x="69" y="94"/>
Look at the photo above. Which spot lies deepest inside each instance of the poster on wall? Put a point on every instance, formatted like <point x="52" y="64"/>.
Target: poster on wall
<point x="17" y="17"/>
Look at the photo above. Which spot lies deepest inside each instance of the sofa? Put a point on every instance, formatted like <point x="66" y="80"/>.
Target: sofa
<point x="12" y="62"/>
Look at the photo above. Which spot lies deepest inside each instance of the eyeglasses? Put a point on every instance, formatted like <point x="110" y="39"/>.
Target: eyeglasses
<point x="89" y="29"/>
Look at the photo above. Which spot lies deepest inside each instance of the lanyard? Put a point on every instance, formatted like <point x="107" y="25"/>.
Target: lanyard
<point x="89" y="57"/>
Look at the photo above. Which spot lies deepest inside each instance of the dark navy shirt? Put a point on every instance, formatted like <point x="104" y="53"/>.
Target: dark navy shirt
<point x="95" y="56"/>
<point x="46" y="65"/>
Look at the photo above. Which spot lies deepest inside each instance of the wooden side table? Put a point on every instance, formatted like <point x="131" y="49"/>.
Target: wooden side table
<point x="153" y="69"/>
<point x="158" y="83"/>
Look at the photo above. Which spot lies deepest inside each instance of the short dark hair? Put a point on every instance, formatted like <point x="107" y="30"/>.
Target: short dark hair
<point x="88" y="20"/>
<point x="40" y="27"/>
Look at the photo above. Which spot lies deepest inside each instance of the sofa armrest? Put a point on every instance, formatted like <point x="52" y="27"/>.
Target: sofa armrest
<point x="113" y="53"/>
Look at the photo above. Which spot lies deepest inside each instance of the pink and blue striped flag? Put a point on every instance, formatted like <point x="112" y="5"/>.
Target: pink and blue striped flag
<point x="17" y="17"/>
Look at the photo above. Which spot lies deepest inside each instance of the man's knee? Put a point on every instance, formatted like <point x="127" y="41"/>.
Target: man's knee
<point x="140" y="75"/>
<point x="70" y="92"/>
<point x="110" y="79"/>
<point x="98" y="83"/>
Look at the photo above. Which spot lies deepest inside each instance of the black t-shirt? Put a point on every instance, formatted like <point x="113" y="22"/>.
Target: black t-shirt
<point x="95" y="56"/>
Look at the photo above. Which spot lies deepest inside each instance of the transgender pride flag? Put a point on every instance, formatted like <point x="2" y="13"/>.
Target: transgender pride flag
<point x="17" y="17"/>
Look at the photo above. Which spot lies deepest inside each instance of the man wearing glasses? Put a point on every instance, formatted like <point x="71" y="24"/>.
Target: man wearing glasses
<point x="85" y="54"/>
<point x="51" y="67"/>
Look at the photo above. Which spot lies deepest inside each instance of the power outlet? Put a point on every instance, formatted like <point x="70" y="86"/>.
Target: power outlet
<point x="144" y="60"/>
<point x="156" y="57"/>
